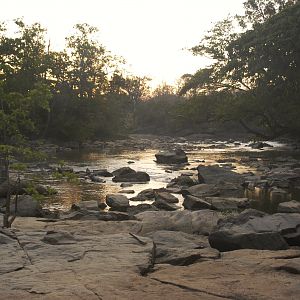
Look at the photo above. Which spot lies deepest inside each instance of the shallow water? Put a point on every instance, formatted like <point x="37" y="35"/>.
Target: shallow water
<point x="161" y="175"/>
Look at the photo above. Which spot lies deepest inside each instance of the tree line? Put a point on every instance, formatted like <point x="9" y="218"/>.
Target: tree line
<point x="83" y="93"/>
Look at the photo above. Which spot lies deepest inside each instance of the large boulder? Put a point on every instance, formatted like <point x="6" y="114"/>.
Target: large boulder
<point x="127" y="174"/>
<point x="228" y="182"/>
<point x="193" y="222"/>
<point x="27" y="206"/>
<point x="171" y="157"/>
<point x="253" y="231"/>
<point x="179" y="248"/>
<point x="117" y="202"/>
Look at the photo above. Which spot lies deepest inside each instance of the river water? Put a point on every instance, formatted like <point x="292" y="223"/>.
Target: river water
<point x="144" y="160"/>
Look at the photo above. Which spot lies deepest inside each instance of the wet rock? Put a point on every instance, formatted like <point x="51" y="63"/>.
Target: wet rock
<point x="289" y="207"/>
<point x="126" y="192"/>
<point x="272" y="232"/>
<point x="127" y="174"/>
<point x="98" y="179"/>
<point x="171" y="157"/>
<point x="193" y="203"/>
<point x="165" y="196"/>
<point x="164" y="205"/>
<point x="124" y="185"/>
<point x="259" y="145"/>
<point x="101" y="173"/>
<point x="117" y="202"/>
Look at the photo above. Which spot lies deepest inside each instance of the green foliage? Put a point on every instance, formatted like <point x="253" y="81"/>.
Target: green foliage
<point x="255" y="68"/>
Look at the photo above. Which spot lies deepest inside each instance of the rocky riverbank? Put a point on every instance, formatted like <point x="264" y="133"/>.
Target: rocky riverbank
<point x="207" y="234"/>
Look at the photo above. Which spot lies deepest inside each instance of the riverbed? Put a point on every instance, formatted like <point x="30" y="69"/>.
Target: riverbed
<point x="237" y="156"/>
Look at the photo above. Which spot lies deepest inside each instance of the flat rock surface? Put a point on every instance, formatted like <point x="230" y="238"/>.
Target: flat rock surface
<point x="242" y="274"/>
<point x="75" y="259"/>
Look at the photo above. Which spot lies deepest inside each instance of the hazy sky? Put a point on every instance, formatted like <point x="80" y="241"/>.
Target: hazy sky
<point x="149" y="34"/>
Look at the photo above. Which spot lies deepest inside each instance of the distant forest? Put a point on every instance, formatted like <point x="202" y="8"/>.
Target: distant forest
<point x="83" y="93"/>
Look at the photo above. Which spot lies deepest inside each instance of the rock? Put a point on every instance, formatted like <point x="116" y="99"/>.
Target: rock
<point x="90" y="215"/>
<point x="193" y="203"/>
<point x="89" y="205"/>
<point x="289" y="207"/>
<point x="133" y="210"/>
<point x="65" y="169"/>
<point x="58" y="238"/>
<point x="127" y="174"/>
<point x="126" y="192"/>
<point x="14" y="188"/>
<point x="171" y="157"/>
<point x="179" y="248"/>
<point x="145" y="195"/>
<point x="95" y="178"/>
<point x="42" y="190"/>
<point x="27" y="206"/>
<point x="193" y="222"/>
<point x="117" y="202"/>
<point x="202" y="190"/>
<point x="254" y="274"/>
<point x="271" y="232"/>
<point x="228" y="182"/>
<point x="165" y="196"/>
<point x="102" y="173"/>
<point x="221" y="203"/>
<point x="278" y="195"/>
<point x="162" y="204"/>
<point x="183" y="181"/>
<point x="102" y="205"/>
<point x="124" y="185"/>
<point x="259" y="145"/>
<point x="229" y="241"/>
